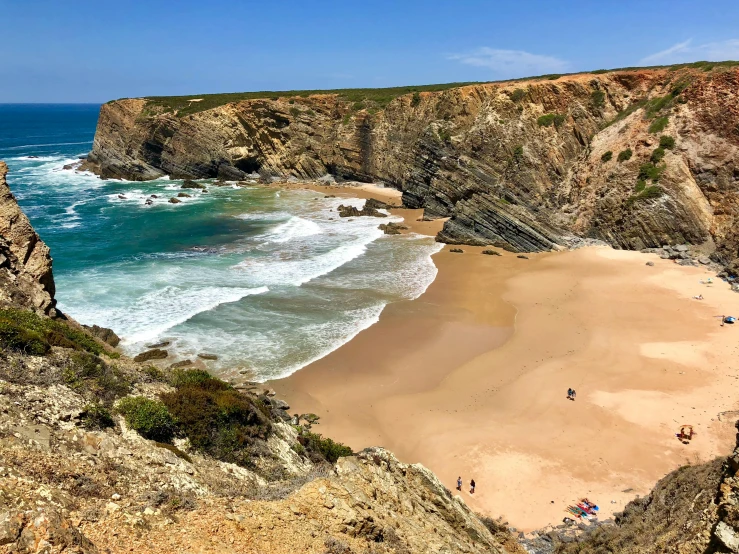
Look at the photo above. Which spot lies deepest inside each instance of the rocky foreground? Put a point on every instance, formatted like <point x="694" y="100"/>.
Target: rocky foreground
<point x="639" y="158"/>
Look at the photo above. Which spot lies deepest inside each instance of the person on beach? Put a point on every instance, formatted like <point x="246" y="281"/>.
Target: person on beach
<point x="472" y="486"/>
<point x="569" y="394"/>
<point x="574" y="394"/>
<point x="459" y="483"/>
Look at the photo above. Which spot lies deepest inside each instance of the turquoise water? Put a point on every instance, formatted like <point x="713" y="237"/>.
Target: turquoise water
<point x="266" y="278"/>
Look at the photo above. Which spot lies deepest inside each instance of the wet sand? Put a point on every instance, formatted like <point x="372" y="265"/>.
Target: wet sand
<point x="470" y="379"/>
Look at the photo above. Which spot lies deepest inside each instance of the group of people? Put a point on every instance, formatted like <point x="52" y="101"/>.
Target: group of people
<point x="459" y="485"/>
<point x="571" y="394"/>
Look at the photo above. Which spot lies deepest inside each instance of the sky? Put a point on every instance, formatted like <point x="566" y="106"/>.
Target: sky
<point x="95" y="51"/>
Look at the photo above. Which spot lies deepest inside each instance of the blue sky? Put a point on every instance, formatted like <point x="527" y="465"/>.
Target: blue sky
<point x="94" y="51"/>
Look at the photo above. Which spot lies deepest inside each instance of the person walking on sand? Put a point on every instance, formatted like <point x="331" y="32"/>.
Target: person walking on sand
<point x="459" y="483"/>
<point x="472" y="486"/>
<point x="574" y="394"/>
<point x="569" y="394"/>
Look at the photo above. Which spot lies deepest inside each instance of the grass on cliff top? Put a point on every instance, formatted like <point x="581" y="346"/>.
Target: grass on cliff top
<point x="25" y="331"/>
<point x="378" y="97"/>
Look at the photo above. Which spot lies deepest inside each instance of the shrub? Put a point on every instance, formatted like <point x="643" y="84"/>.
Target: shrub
<point x="657" y="155"/>
<point x="518" y="95"/>
<point x="90" y="376"/>
<point x="598" y="97"/>
<point x="96" y="416"/>
<point x="416" y="99"/>
<point x="658" y="125"/>
<point x="625" y="155"/>
<point x="518" y="153"/>
<point x="650" y="172"/>
<point x="358" y="106"/>
<point x="641" y="184"/>
<point x="444" y="135"/>
<point x="189" y="377"/>
<point x="26" y="331"/>
<point x="216" y="418"/>
<point x="607" y="156"/>
<point x="550" y="119"/>
<point x="327" y="448"/>
<point x="666" y="141"/>
<point x="295" y="112"/>
<point x="150" y="418"/>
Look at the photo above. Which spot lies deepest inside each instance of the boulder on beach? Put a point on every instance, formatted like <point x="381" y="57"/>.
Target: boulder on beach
<point x="522" y="256"/>
<point x="491" y="252"/>
<point x="369" y="209"/>
<point x="207" y="356"/>
<point x="456" y="250"/>
<point x="391" y="228"/>
<point x="153" y="354"/>
<point x="177" y="365"/>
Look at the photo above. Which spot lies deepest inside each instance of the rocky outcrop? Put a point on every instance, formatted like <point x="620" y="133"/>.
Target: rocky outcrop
<point x="25" y="262"/>
<point x="527" y="165"/>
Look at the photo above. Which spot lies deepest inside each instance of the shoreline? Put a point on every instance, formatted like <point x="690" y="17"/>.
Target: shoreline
<point x="470" y="378"/>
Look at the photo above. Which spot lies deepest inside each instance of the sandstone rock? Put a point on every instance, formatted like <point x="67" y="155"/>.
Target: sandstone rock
<point x="154" y="354"/>
<point x="650" y="263"/>
<point x="522" y="257"/>
<point x="456" y="250"/>
<point x="391" y="228"/>
<point x="26" y="279"/>
<point x="728" y="536"/>
<point x="207" y="356"/>
<point x="491" y="252"/>
<point x="183" y="363"/>
<point x="104" y="334"/>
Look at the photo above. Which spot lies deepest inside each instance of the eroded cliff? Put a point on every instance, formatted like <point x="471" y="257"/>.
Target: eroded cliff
<point x="527" y="165"/>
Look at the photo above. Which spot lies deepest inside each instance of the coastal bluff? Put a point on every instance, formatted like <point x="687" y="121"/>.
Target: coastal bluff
<point x="637" y="158"/>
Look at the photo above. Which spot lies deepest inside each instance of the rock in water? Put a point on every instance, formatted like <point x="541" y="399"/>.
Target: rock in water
<point x="391" y="228"/>
<point x="189" y="184"/>
<point x="207" y="356"/>
<point x="104" y="334"/>
<point x="174" y="201"/>
<point x="153" y="354"/>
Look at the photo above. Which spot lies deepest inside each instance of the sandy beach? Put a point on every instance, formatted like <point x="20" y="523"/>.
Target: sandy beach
<point x="470" y="379"/>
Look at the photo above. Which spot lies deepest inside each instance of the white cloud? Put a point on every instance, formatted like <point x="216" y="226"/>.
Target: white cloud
<point x="683" y="52"/>
<point x="511" y="63"/>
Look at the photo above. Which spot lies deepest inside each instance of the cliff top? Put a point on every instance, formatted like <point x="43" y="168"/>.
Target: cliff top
<point x="378" y="98"/>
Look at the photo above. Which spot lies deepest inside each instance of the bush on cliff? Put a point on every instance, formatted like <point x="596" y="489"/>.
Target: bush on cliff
<point x="93" y="378"/>
<point x="666" y="141"/>
<point x="658" y="125"/>
<point x="607" y="156"/>
<point x="28" y="332"/>
<point x="550" y="119"/>
<point x="328" y="449"/>
<point x="598" y="98"/>
<point x="518" y="95"/>
<point x="150" y="418"/>
<point x="625" y="155"/>
<point x="218" y="419"/>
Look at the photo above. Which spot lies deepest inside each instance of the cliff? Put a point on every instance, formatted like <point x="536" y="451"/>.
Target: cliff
<point x="99" y="453"/>
<point x="25" y="262"/>
<point x="637" y="158"/>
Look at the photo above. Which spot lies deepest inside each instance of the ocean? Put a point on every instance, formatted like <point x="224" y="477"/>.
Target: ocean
<point x="268" y="279"/>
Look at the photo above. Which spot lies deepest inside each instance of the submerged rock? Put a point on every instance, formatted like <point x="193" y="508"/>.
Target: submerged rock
<point x="207" y="356"/>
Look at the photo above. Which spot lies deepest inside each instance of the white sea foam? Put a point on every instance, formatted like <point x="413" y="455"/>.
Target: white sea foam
<point x="21" y="147"/>
<point x="160" y="310"/>
<point x="296" y="227"/>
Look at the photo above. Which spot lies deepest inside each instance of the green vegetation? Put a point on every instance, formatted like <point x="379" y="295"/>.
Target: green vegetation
<point x="25" y="331"/>
<point x="295" y="112"/>
<point x="641" y="184"/>
<point x="444" y="134"/>
<point x="645" y="193"/>
<point x="598" y="98"/>
<point x="657" y="155"/>
<point x="658" y="125"/>
<point x="377" y="97"/>
<point x="90" y="376"/>
<point x="96" y="416"/>
<point x="327" y="448"/>
<point x="623" y="114"/>
<point x="625" y="155"/>
<point x="218" y="420"/>
<point x="650" y="172"/>
<point x="416" y="99"/>
<point x="606" y="157"/>
<point x="518" y="153"/>
<point x="150" y="418"/>
<point x="550" y="119"/>
<point x="666" y="141"/>
<point x="518" y="95"/>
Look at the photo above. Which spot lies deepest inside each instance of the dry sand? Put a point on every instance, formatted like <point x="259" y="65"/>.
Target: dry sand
<point x="470" y="379"/>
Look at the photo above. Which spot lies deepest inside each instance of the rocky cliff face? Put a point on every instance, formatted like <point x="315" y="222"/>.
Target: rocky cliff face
<point x="523" y="164"/>
<point x="25" y="262"/>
